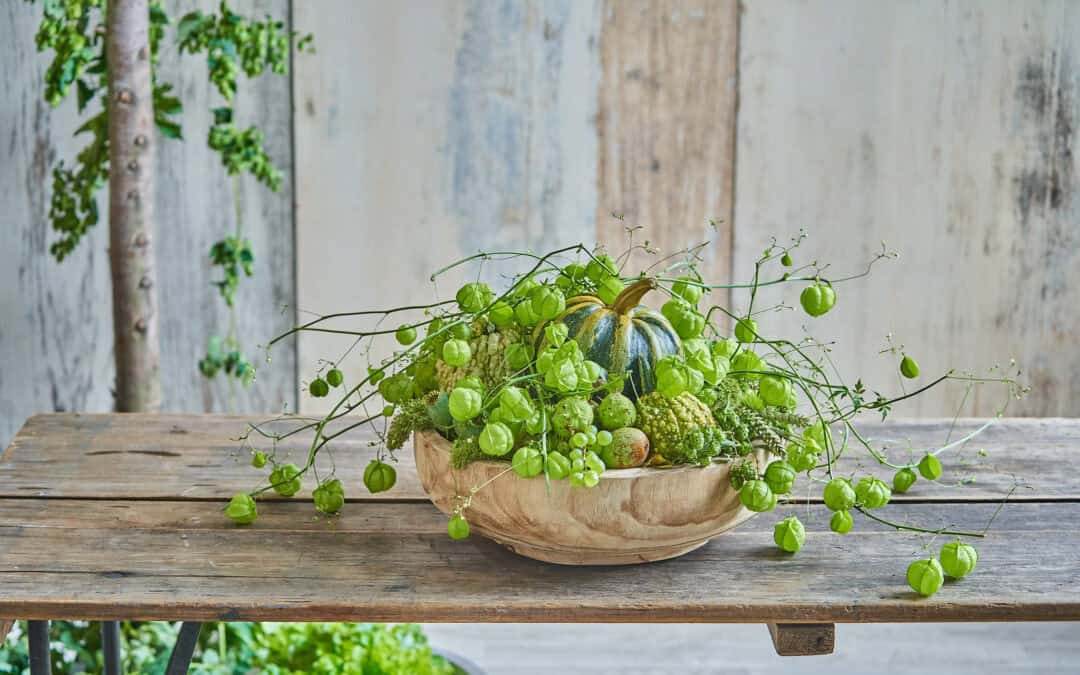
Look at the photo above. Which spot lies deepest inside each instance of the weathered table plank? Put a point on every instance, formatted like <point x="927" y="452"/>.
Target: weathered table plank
<point x="119" y="517"/>
<point x="196" y="457"/>
<point x="96" y="559"/>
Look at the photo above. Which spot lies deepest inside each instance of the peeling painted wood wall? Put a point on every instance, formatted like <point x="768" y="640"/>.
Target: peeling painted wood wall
<point x="436" y="129"/>
<point x="424" y="130"/>
<point x="56" y="325"/>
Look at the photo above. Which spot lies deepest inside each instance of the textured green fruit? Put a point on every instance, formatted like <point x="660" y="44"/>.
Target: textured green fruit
<point x="789" y="534"/>
<point x="909" y="368"/>
<point x="616" y="411"/>
<point x="285" y="478"/>
<point x="757" y="496"/>
<point x="872" y="492"/>
<point x="329" y="496"/>
<point x="780" y="476"/>
<point x="839" y="495"/>
<point x="841" y="522"/>
<point x="930" y="467"/>
<point x="925" y="576"/>
<point x="667" y="421"/>
<point x="458" y="528"/>
<point x="629" y="447"/>
<point x="241" y="509"/>
<point x="903" y="480"/>
<point x="817" y="299"/>
<point x="958" y="559"/>
<point x="379" y="476"/>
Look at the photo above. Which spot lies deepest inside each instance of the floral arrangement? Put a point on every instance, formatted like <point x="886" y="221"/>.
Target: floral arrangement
<point x="566" y="374"/>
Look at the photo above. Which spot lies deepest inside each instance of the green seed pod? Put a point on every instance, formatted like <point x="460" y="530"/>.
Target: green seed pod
<point x="547" y="303"/>
<point x="586" y="478"/>
<point x="925" y="576"/>
<point x="872" y="492"/>
<point x="557" y="466"/>
<point x="379" y="476"/>
<point x="501" y="314"/>
<point x="405" y="335"/>
<point x="785" y="260"/>
<point x="388" y="410"/>
<point x="496" y="439"/>
<point x="518" y="356"/>
<point x="258" y="459"/>
<point x="930" y="467"/>
<point x="747" y="362"/>
<point x="802" y="457"/>
<point x="593" y="461"/>
<point x="524" y="314"/>
<point x="616" y="411"/>
<point x="458" y="527"/>
<point x="789" y="534"/>
<point x="775" y="390"/>
<point x="839" y="495"/>
<point x="335" y="377"/>
<point x="516" y="404"/>
<point x="528" y="462"/>
<point x="329" y="497"/>
<point x="601" y="267"/>
<point x="903" y="480"/>
<point x="780" y="477"/>
<point x="285" y="479"/>
<point x="465" y="403"/>
<point x="746" y="330"/>
<point x="460" y="331"/>
<point x="474" y="297"/>
<point x="958" y="559"/>
<point x="909" y="368"/>
<point x="841" y="522"/>
<point x="609" y="288"/>
<point x="603" y="438"/>
<point x="688" y="289"/>
<point x="757" y="496"/>
<point x="319" y="388"/>
<point x="817" y="299"/>
<point x="241" y="509"/>
<point x="456" y="352"/>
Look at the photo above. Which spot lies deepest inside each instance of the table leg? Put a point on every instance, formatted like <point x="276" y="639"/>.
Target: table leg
<point x="38" y="636"/>
<point x="180" y="660"/>
<point x="803" y="639"/>
<point x="110" y="647"/>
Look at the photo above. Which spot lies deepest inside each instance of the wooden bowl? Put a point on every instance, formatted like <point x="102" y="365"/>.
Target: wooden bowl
<point x="632" y="516"/>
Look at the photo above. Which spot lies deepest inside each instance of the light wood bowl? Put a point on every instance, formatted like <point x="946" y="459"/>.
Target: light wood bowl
<point x="632" y="516"/>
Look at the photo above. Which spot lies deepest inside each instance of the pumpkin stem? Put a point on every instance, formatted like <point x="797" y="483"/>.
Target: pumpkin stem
<point x="631" y="295"/>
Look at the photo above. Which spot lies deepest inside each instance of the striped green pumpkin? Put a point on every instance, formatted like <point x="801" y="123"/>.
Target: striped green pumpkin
<point x="624" y="337"/>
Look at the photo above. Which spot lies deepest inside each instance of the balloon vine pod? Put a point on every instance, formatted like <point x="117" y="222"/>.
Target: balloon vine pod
<point x="577" y="368"/>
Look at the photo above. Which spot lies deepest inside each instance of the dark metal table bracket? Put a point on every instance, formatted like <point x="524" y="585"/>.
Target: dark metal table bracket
<point x="180" y="660"/>
<point x="110" y="647"/>
<point x="37" y="634"/>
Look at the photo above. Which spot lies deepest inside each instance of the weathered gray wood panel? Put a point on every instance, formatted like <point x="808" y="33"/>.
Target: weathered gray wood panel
<point x="667" y="117"/>
<point x="56" y="336"/>
<point x="430" y="130"/>
<point x="946" y="129"/>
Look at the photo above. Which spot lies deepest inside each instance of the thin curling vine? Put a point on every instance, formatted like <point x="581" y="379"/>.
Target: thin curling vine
<point x="564" y="374"/>
<point x="74" y="31"/>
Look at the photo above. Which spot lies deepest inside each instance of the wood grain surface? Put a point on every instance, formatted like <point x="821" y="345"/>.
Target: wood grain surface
<point x="197" y="457"/>
<point x="164" y="553"/>
<point x="632" y="516"/>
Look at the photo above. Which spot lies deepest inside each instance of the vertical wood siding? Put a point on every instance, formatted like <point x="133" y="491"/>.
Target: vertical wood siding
<point x="946" y="129"/>
<point x="56" y="331"/>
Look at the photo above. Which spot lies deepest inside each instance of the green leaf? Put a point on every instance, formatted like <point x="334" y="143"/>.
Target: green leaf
<point x="168" y="128"/>
<point x="190" y="23"/>
<point x="83" y="93"/>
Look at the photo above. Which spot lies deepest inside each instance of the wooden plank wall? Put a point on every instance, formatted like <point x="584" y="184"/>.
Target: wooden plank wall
<point x="426" y="130"/>
<point x="946" y="129"/>
<point x="55" y="335"/>
<point x="438" y="129"/>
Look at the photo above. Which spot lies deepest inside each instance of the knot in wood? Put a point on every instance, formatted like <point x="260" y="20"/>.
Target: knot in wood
<point x="140" y="326"/>
<point x="133" y="166"/>
<point x="133" y="195"/>
<point x="143" y="53"/>
<point x="140" y="141"/>
<point x="141" y="240"/>
<point x="125" y="96"/>
<point x="145" y="283"/>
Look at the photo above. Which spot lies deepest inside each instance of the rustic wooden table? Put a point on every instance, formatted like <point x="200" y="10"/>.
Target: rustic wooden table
<point x="119" y="517"/>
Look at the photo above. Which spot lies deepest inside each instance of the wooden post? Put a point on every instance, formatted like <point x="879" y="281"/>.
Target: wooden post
<point x="5" y="627"/>
<point x="803" y="639"/>
<point x="131" y="207"/>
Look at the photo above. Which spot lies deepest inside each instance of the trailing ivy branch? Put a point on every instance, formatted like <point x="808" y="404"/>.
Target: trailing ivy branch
<point x="74" y="31"/>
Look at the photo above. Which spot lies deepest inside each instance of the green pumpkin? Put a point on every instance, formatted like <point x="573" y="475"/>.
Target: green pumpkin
<point x="623" y="337"/>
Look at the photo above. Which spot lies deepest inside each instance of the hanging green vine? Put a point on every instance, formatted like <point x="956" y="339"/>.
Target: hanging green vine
<point x="74" y="31"/>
